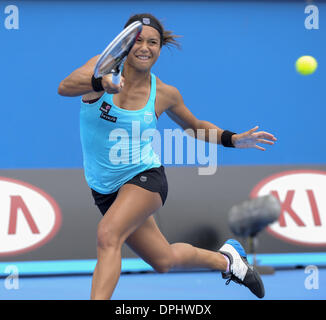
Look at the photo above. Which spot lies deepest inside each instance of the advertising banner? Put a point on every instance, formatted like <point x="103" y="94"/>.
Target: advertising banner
<point x="50" y="214"/>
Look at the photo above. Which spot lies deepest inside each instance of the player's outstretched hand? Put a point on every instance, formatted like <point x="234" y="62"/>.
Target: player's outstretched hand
<point x="249" y="139"/>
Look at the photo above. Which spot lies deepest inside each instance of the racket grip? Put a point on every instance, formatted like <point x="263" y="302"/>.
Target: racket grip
<point x="116" y="78"/>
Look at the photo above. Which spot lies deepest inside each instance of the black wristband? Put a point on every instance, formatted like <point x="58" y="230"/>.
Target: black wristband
<point x="226" y="139"/>
<point x="97" y="84"/>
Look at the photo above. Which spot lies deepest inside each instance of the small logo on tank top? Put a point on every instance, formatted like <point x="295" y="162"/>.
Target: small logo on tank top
<point x="105" y="108"/>
<point x="143" y="178"/>
<point x="148" y="117"/>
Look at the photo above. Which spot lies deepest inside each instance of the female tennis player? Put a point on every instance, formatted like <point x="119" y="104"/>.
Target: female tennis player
<point x="128" y="192"/>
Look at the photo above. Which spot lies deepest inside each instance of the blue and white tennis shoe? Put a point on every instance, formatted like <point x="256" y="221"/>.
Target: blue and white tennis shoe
<point x="239" y="269"/>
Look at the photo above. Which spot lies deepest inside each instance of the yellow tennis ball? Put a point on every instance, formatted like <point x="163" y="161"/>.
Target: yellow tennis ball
<point x="306" y="65"/>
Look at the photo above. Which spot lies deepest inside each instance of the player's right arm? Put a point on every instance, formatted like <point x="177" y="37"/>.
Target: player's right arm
<point x="79" y="83"/>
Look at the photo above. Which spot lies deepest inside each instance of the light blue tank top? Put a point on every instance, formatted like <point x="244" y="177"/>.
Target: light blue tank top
<point x="117" y="143"/>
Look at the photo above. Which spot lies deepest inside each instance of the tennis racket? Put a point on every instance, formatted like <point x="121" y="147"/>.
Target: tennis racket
<point x="114" y="55"/>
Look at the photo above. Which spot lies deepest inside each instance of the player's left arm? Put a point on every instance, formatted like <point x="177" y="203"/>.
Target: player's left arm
<point x="207" y="131"/>
<point x="180" y="114"/>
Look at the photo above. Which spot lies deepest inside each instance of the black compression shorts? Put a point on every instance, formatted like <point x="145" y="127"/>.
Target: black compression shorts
<point x="153" y="180"/>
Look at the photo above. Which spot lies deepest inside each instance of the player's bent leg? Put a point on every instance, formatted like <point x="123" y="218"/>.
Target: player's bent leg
<point x="131" y="208"/>
<point x="150" y="244"/>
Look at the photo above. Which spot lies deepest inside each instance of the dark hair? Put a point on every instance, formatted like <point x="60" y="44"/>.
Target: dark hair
<point x="167" y="37"/>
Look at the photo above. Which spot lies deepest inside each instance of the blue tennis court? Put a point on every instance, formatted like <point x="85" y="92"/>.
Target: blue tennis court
<point x="56" y="281"/>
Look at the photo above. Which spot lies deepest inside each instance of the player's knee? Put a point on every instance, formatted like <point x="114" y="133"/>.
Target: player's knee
<point x="163" y="266"/>
<point x="166" y="263"/>
<point x="108" y="237"/>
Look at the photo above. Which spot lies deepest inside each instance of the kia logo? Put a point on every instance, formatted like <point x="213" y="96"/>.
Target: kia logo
<point x="302" y="194"/>
<point x="29" y="217"/>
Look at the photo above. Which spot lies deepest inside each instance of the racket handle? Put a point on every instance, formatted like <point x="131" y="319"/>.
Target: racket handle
<point x="116" y="78"/>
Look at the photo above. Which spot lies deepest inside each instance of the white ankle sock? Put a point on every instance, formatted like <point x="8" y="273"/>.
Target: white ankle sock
<point x="228" y="263"/>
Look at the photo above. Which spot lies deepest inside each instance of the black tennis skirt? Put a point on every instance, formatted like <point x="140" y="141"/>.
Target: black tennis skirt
<point x="153" y="180"/>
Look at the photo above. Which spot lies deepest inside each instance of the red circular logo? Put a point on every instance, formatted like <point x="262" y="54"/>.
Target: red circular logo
<point x="302" y="195"/>
<point x="29" y="217"/>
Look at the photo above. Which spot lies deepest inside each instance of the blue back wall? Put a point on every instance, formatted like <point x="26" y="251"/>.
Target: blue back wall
<point x="235" y="69"/>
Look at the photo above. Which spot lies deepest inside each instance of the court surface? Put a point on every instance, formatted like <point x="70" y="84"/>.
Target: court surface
<point x="283" y="285"/>
<point x="59" y="280"/>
